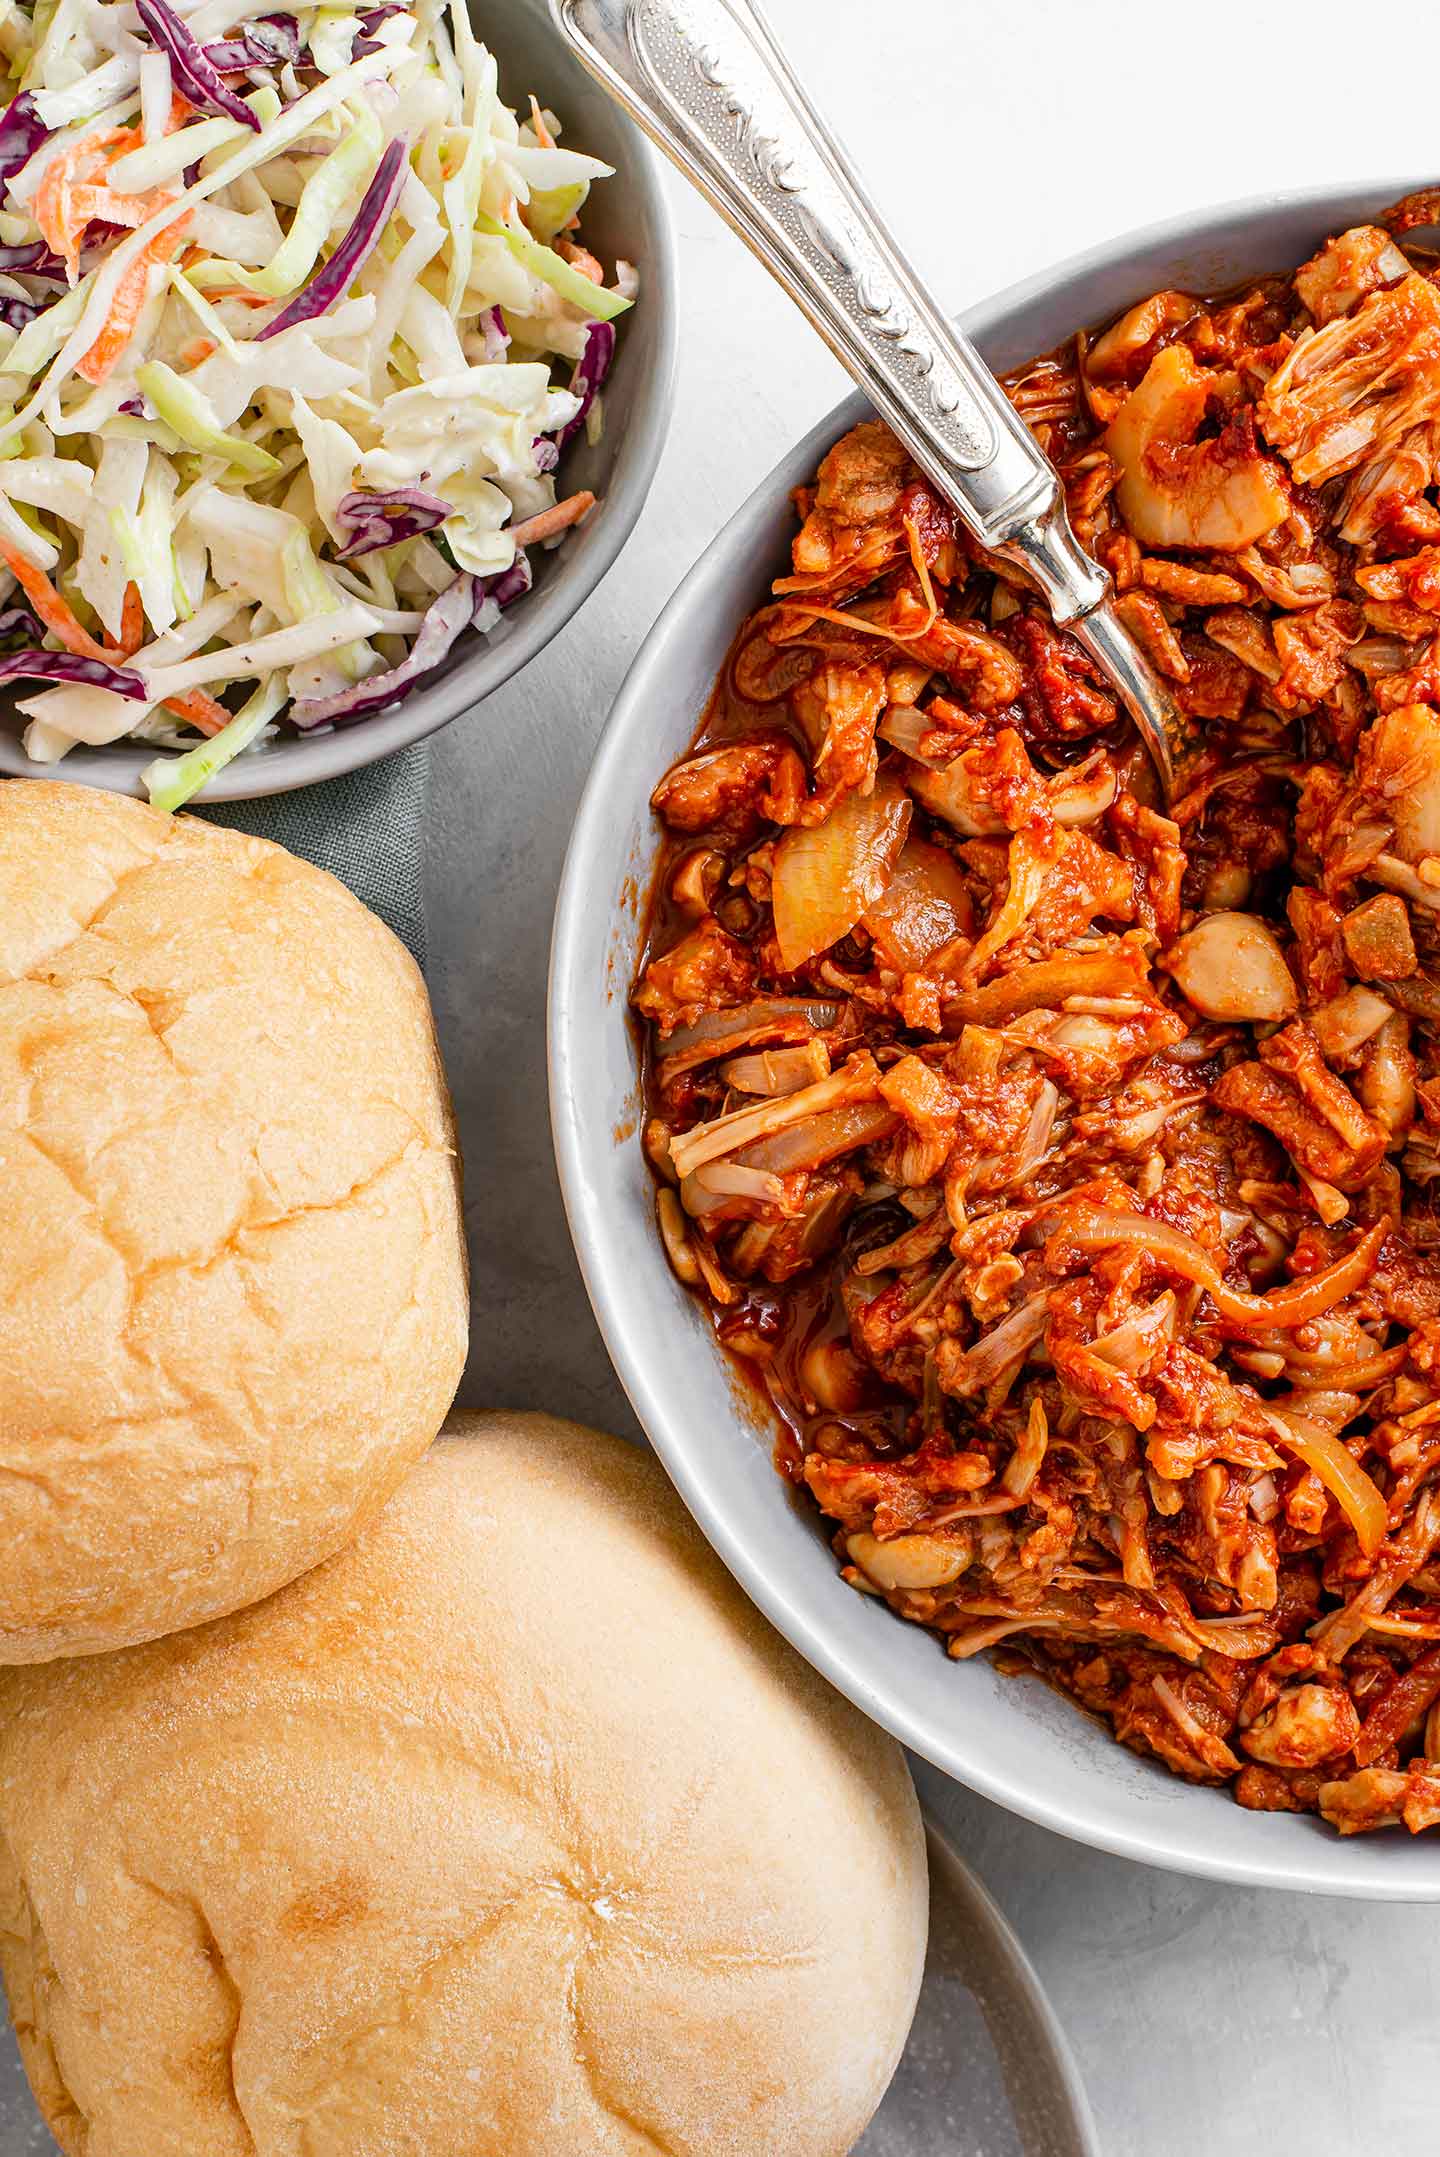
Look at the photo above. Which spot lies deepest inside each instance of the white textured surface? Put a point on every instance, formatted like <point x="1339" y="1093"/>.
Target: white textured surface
<point x="1204" y="2019"/>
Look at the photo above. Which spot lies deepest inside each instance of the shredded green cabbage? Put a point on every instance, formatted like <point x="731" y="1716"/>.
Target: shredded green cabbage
<point x="171" y="781"/>
<point x="152" y="435"/>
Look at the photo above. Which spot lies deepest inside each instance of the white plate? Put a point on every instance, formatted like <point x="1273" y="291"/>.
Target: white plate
<point x="988" y="2071"/>
<point x="1015" y="1742"/>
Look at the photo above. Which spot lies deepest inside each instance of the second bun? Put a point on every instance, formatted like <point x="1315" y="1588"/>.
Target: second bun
<point x="512" y="1832"/>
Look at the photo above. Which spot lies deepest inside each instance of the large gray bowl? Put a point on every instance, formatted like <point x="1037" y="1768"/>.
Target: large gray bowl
<point x="625" y="216"/>
<point x="1011" y="1739"/>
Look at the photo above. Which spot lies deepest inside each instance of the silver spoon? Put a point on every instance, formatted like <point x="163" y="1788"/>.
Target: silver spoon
<point x="708" y="83"/>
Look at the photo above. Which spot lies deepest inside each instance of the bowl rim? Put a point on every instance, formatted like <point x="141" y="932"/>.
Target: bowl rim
<point x="539" y="618"/>
<point x="1327" y="1866"/>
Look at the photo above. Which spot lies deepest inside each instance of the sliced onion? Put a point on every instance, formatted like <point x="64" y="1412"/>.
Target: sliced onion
<point x="1098" y="1228"/>
<point x="822" y="1138"/>
<point x="857" y="1080"/>
<point x="1003" y="1346"/>
<point x="719" y="1033"/>
<point x="707" y="1189"/>
<point x="826" y="875"/>
<point x="777" y="1071"/>
<point x="1132" y="1344"/>
<point x="1048" y="982"/>
<point x="924" y="906"/>
<point x="905" y="726"/>
<point x="1370" y="1371"/>
<point x="910" y="1248"/>
<point x="1340" y="1472"/>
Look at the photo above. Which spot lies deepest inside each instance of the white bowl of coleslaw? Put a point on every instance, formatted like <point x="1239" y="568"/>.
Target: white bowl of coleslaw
<point x="336" y="349"/>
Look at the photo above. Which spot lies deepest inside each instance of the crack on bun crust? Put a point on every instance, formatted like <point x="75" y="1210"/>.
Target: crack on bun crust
<point x="514" y="1828"/>
<point x="232" y="1272"/>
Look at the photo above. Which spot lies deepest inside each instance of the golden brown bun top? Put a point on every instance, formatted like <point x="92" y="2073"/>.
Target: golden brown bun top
<point x="231" y="1270"/>
<point x="514" y="1831"/>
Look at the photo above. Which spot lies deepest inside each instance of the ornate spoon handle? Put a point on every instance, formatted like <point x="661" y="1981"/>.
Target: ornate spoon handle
<point x="706" y="80"/>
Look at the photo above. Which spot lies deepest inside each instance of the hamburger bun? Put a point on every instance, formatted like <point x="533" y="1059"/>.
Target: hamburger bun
<point x="232" y="1277"/>
<point x="514" y="1831"/>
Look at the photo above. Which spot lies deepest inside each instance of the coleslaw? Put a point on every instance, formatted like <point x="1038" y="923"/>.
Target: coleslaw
<point x="295" y="328"/>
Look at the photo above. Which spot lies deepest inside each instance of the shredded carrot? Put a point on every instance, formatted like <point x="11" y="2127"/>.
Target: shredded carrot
<point x="54" y="612"/>
<point x="201" y="711"/>
<point x="89" y="201"/>
<point x="235" y="292"/>
<point x="553" y="520"/>
<point x="74" y="190"/>
<point x="132" y="625"/>
<point x="61" y="219"/>
<point x="537" y="120"/>
<point x="581" y="259"/>
<point x="129" y="299"/>
<point x="198" y="349"/>
<point x="53" y="213"/>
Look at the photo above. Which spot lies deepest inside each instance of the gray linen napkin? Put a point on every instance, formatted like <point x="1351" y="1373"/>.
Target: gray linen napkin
<point x="364" y="828"/>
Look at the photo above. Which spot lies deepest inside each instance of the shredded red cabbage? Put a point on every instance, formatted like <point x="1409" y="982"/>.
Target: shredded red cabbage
<point x="383" y="520"/>
<point x="547" y="454"/>
<point x="458" y="605"/>
<point x="194" y="75"/>
<point x="333" y="281"/>
<point x="268" y="42"/>
<point x="21" y="133"/>
<point x="445" y="617"/>
<point x="72" y="667"/>
<point x="15" y="313"/>
<point x="35" y="260"/>
<point x="370" y="20"/>
<point x="18" y="621"/>
<point x="508" y="585"/>
<point x="590" y="371"/>
<point x="497" y="337"/>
